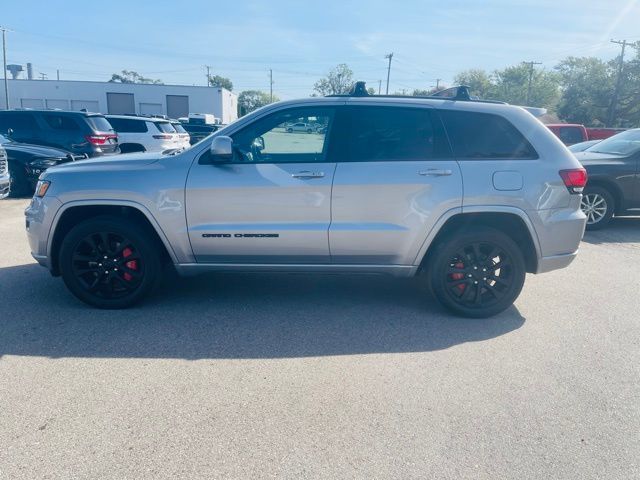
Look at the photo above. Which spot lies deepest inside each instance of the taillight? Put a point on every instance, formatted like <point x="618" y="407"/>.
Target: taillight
<point x="99" y="139"/>
<point x="163" y="137"/>
<point x="574" y="179"/>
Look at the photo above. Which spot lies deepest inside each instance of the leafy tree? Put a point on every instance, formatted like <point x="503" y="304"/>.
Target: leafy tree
<point x="250" y="100"/>
<point x="129" y="76"/>
<point x="425" y="93"/>
<point x="628" y="107"/>
<point x="338" y="81"/>
<point x="221" y="82"/>
<point x="512" y="83"/>
<point x="478" y="80"/>
<point x="371" y="91"/>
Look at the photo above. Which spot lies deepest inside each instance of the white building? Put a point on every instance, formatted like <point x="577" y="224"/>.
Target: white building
<point x="122" y="98"/>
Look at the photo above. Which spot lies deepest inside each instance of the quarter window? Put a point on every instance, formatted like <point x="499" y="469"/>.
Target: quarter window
<point x="485" y="136"/>
<point x="128" y="125"/>
<point x="61" y="122"/>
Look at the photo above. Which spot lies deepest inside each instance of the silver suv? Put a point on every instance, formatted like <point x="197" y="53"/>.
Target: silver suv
<point x="470" y="194"/>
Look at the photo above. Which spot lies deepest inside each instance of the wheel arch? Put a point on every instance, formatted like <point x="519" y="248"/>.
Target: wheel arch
<point x="73" y="213"/>
<point x="131" y="147"/>
<point x="511" y="221"/>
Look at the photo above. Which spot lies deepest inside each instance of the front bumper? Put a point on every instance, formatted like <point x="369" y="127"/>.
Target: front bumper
<point x="555" y="262"/>
<point x="5" y="185"/>
<point x="39" y="217"/>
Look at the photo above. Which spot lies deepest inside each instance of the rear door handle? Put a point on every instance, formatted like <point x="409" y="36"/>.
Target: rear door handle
<point x="435" y="172"/>
<point x="308" y="174"/>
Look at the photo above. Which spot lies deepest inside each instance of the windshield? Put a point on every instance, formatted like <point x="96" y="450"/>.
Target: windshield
<point x="625" y="143"/>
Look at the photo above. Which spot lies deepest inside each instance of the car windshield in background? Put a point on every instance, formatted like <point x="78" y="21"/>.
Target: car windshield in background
<point x="100" y="124"/>
<point x="165" y="127"/>
<point x="625" y="143"/>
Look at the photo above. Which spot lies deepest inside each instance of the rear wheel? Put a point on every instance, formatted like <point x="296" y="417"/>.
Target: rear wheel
<point x="477" y="273"/>
<point x="598" y="205"/>
<point x="110" y="262"/>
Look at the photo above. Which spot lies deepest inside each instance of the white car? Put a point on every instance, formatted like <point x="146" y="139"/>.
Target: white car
<point x="185" y="137"/>
<point x="300" y="127"/>
<point x="145" y="134"/>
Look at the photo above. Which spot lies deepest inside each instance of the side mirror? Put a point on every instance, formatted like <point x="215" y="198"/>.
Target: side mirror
<point x="9" y="132"/>
<point x="221" y="149"/>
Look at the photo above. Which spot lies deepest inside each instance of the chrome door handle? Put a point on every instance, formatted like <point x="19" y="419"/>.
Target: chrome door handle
<point x="308" y="174"/>
<point x="435" y="172"/>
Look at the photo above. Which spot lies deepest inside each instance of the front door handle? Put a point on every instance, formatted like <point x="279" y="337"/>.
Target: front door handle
<point x="435" y="172"/>
<point x="308" y="174"/>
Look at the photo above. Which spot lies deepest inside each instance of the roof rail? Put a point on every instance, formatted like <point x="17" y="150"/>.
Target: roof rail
<point x="457" y="93"/>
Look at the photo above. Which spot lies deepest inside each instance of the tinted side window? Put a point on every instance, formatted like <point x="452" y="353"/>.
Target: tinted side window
<point x="61" y="122"/>
<point x="571" y="135"/>
<point x="126" y="125"/>
<point x="18" y="122"/>
<point x="483" y="135"/>
<point x="393" y="133"/>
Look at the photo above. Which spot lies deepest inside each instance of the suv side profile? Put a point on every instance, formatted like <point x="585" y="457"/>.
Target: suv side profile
<point x="470" y="194"/>
<point x="142" y="134"/>
<point x="81" y="133"/>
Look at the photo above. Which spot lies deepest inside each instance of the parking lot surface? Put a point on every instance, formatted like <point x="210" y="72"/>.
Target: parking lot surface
<point x="296" y="376"/>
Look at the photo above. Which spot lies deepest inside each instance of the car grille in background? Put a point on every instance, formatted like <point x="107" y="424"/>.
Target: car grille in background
<point x="3" y="163"/>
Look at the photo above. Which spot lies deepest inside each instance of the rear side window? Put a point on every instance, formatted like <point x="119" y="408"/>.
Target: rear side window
<point x="99" y="124"/>
<point x="165" y="127"/>
<point x="484" y="136"/>
<point x="62" y="122"/>
<point x="179" y="128"/>
<point x="128" y="125"/>
<point x="393" y="133"/>
<point x="570" y="135"/>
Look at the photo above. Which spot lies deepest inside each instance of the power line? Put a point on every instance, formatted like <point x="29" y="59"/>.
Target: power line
<point x="389" y="56"/>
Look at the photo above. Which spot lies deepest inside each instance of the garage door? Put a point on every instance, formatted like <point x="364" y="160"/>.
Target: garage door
<point x="150" y="109"/>
<point x="177" y="106"/>
<point x="120" y="103"/>
<point x="32" y="103"/>
<point x="61" y="104"/>
<point x="88" y="105"/>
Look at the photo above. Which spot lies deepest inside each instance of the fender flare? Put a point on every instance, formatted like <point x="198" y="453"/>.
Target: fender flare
<point x="115" y="203"/>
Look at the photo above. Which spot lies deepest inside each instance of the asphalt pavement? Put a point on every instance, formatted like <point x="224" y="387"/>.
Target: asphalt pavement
<point x="324" y="377"/>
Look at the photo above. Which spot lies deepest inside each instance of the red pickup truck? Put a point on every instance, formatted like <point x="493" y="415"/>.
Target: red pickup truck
<point x="570" y="133"/>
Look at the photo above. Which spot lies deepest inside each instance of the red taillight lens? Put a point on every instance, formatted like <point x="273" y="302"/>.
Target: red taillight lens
<point x="99" y="139"/>
<point x="574" y="179"/>
<point x="163" y="137"/>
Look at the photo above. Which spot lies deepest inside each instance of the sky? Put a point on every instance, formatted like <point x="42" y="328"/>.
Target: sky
<point x="302" y="40"/>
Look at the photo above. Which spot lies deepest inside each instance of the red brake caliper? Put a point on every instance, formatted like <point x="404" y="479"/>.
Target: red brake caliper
<point x="459" y="276"/>
<point x="132" y="264"/>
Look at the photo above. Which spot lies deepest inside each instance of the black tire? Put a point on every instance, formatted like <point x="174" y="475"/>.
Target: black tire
<point x="19" y="184"/>
<point x="476" y="273"/>
<point x="114" y="276"/>
<point x="131" y="148"/>
<point x="598" y="205"/>
<point x="309" y="130"/>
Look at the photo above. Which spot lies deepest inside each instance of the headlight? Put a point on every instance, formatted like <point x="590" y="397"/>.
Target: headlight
<point x="44" y="163"/>
<point x="41" y="188"/>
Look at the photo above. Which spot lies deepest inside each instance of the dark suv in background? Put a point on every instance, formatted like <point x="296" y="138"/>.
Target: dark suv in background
<point x="77" y="132"/>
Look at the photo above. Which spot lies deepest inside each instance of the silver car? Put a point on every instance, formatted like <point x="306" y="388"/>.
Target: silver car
<point x="471" y="195"/>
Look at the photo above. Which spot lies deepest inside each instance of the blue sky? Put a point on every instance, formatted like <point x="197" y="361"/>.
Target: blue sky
<point x="302" y="40"/>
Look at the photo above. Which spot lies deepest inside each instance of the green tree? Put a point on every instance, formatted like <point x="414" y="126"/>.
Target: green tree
<point x="250" y="100"/>
<point x="479" y="81"/>
<point x="512" y="84"/>
<point x="628" y="107"/>
<point x="221" y="82"/>
<point x="338" y="81"/>
<point x="129" y="76"/>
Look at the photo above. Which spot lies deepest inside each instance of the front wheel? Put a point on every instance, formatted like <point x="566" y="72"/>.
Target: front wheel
<point x="477" y="273"/>
<point x="598" y="205"/>
<point x="110" y="262"/>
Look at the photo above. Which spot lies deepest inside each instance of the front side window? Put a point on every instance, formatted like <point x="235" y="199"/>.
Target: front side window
<point x="485" y="136"/>
<point x="393" y="133"/>
<point x="61" y="122"/>
<point x="270" y="140"/>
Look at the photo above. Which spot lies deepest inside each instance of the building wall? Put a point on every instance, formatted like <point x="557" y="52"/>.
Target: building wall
<point x="147" y="99"/>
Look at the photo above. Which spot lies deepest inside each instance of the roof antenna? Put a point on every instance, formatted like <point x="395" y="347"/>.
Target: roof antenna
<point x="359" y="89"/>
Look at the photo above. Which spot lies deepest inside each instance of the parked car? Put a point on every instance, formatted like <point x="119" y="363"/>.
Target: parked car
<point x="381" y="192"/>
<point x="26" y="162"/>
<point x="198" y="132"/>
<point x="76" y="132"/>
<point x="5" y="176"/>
<point x="582" y="146"/>
<point x="144" y="134"/>
<point x="182" y="134"/>
<point x="569" y="133"/>
<point x="614" y="187"/>
<point x="596" y="133"/>
<point x="299" y="127"/>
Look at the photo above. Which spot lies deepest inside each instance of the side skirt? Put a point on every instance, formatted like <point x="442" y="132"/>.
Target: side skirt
<point x="186" y="269"/>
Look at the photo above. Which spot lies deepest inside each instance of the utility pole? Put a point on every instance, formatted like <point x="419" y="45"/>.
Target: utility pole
<point x="271" y="85"/>
<point x="614" y="99"/>
<point x="57" y="74"/>
<point x="389" y="56"/>
<point x="438" y="80"/>
<point x="208" y="76"/>
<point x="43" y="76"/>
<point x="4" y="63"/>
<point x="379" y="86"/>
<point x="531" y="64"/>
